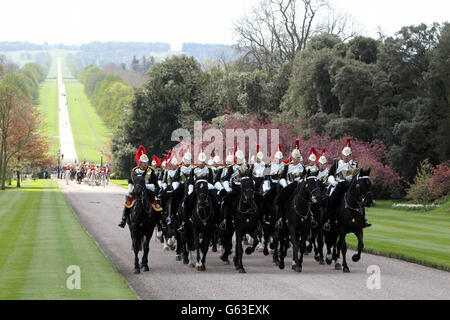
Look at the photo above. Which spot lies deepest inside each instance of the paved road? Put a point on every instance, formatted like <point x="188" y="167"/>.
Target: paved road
<point x="65" y="131"/>
<point x="99" y="210"/>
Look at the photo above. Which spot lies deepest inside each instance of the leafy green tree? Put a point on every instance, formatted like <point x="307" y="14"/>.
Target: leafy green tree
<point x="421" y="190"/>
<point x="155" y="108"/>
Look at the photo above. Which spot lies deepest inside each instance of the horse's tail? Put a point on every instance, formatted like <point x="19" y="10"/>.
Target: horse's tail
<point x="138" y="240"/>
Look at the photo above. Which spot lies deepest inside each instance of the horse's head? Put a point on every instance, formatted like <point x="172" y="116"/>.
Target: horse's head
<point x="247" y="188"/>
<point x="363" y="187"/>
<point x="201" y="189"/>
<point x="312" y="186"/>
<point x="139" y="187"/>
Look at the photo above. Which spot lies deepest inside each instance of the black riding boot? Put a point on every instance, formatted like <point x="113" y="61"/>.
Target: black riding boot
<point x="125" y="214"/>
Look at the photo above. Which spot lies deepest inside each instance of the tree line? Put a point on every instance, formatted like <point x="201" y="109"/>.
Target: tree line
<point x="21" y="139"/>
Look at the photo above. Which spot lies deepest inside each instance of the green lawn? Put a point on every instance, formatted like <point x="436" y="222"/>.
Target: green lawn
<point x="49" y="110"/>
<point x="120" y="182"/>
<point x="410" y="235"/>
<point x="39" y="239"/>
<point x="89" y="132"/>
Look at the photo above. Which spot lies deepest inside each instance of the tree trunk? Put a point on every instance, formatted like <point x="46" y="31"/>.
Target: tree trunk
<point x="4" y="166"/>
<point x="18" y="178"/>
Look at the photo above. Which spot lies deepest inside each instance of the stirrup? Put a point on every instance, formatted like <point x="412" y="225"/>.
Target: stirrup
<point x="122" y="224"/>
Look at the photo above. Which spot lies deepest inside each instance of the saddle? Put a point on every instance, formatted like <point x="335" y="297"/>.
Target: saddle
<point x="132" y="200"/>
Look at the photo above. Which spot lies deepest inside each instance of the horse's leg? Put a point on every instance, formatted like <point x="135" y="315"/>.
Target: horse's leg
<point x="284" y="244"/>
<point x="255" y="237"/>
<point x="205" y="247"/>
<point x="320" y="246"/>
<point x="266" y="240"/>
<point x="239" y="251"/>
<point x="344" y="253"/>
<point x="329" y="257"/>
<point x="337" y="252"/>
<point x="359" y="235"/>
<point x="136" y="244"/>
<point x="144" y="263"/>
<point x="295" y="248"/>
<point x="179" y="250"/>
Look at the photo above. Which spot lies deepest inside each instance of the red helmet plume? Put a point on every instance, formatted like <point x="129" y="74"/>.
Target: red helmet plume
<point x="157" y="160"/>
<point x="140" y="151"/>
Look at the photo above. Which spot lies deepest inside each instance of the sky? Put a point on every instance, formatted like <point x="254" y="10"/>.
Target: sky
<point x="178" y="21"/>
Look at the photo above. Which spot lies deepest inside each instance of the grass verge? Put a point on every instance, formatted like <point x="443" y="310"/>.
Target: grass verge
<point x="40" y="238"/>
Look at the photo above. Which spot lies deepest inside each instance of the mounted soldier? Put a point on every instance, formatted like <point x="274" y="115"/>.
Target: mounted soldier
<point x="291" y="177"/>
<point x="313" y="156"/>
<point x="145" y="171"/>
<point x="340" y="175"/>
<point x="258" y="168"/>
<point x="232" y="184"/>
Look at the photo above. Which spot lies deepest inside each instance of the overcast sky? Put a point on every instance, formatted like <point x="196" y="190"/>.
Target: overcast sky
<point x="178" y="21"/>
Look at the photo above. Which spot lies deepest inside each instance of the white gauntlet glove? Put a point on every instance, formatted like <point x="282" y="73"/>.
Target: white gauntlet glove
<point x="283" y="183"/>
<point x="332" y="181"/>
<point x="150" y="187"/>
<point x="190" y="189"/>
<point x="226" y="185"/>
<point x="175" y="185"/>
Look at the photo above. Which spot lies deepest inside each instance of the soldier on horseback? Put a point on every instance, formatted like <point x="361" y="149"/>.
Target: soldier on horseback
<point x="232" y="185"/>
<point x="147" y="172"/>
<point x="340" y="175"/>
<point x="258" y="168"/>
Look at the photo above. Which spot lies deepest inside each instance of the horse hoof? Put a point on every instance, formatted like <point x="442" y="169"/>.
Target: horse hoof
<point x="177" y="257"/>
<point x="322" y="262"/>
<point x="136" y="271"/>
<point x="203" y="268"/>
<point x="298" y="269"/>
<point x="145" y="269"/>
<point x="266" y="252"/>
<point x="317" y="258"/>
<point x="346" y="270"/>
<point x="242" y="270"/>
<point x="185" y="261"/>
<point x="281" y="266"/>
<point x="199" y="268"/>
<point x="172" y="248"/>
<point x="337" y="266"/>
<point x="191" y="265"/>
<point x="356" y="258"/>
<point x="329" y="261"/>
<point x="249" y="251"/>
<point x="214" y="249"/>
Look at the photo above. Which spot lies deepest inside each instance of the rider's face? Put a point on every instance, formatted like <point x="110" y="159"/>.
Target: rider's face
<point x="347" y="158"/>
<point x="144" y="165"/>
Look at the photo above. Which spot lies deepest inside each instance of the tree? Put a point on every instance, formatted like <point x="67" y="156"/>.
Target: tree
<point x="421" y="190"/>
<point x="155" y="108"/>
<point x="276" y="30"/>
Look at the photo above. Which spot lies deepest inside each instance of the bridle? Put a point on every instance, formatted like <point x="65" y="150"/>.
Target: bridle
<point x="359" y="199"/>
<point x="203" y="208"/>
<point x="252" y="209"/>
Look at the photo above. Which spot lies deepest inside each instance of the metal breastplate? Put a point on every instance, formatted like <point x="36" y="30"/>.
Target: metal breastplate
<point x="258" y="170"/>
<point x="201" y="173"/>
<point x="323" y="176"/>
<point x="184" y="173"/>
<point x="345" y="170"/>
<point x="295" y="172"/>
<point x="275" y="171"/>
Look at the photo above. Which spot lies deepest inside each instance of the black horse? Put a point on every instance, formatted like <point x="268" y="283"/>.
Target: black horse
<point x="80" y="176"/>
<point x="203" y="224"/>
<point x="306" y="193"/>
<point x="246" y="219"/>
<point x="142" y="222"/>
<point x="170" y="200"/>
<point x="350" y="214"/>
